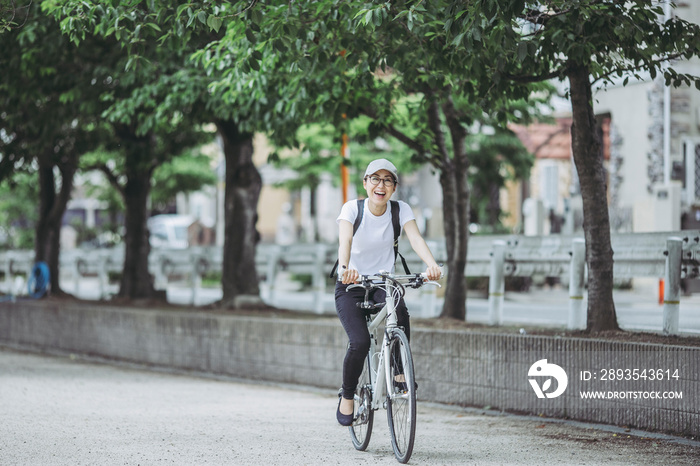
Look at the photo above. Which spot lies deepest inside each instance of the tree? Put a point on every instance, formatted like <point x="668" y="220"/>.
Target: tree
<point x="187" y="173"/>
<point x="13" y="15"/>
<point x="154" y="113"/>
<point x="18" y="215"/>
<point x="585" y="43"/>
<point x="282" y="64"/>
<point x="238" y="99"/>
<point x="363" y="60"/>
<point x="49" y="110"/>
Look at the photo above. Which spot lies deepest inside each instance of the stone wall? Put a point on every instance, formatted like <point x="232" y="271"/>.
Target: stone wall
<point x="456" y="367"/>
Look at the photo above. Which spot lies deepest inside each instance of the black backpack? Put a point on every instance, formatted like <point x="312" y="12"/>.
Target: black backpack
<point x="395" y="221"/>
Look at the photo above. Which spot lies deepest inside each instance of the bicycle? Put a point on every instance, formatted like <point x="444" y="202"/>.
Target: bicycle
<point x="393" y="359"/>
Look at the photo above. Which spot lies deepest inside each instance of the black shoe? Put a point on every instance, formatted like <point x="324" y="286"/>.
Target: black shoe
<point x="343" y="419"/>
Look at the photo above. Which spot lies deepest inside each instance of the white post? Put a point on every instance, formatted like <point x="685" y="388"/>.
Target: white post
<point x="76" y="276"/>
<point x="196" y="278"/>
<point x="102" y="274"/>
<point x="577" y="271"/>
<point x="161" y="280"/>
<point x="429" y="302"/>
<point x="319" y="277"/>
<point x="8" y="273"/>
<point x="672" y="285"/>
<point x="497" y="283"/>
<point x="273" y="257"/>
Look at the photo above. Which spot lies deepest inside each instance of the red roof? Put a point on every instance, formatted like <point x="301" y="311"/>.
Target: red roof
<point x="553" y="141"/>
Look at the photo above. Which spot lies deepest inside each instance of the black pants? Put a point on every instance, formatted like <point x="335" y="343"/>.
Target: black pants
<point x="355" y="324"/>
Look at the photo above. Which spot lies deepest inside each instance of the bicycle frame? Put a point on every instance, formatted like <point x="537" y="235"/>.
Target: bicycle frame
<point x="390" y="370"/>
<point x="378" y="355"/>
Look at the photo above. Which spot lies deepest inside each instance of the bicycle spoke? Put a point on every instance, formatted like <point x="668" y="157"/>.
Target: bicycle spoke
<point x="401" y="401"/>
<point x="361" y="429"/>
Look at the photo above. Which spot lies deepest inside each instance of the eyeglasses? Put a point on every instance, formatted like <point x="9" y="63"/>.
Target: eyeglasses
<point x="388" y="182"/>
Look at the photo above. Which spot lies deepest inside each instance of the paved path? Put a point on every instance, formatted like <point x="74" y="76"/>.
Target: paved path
<point x="62" y="411"/>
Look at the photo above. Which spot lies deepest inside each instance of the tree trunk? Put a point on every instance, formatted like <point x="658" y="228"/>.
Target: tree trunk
<point x="52" y="206"/>
<point x="588" y="157"/>
<point x="455" y="207"/>
<point x="136" y="281"/>
<point x="243" y="184"/>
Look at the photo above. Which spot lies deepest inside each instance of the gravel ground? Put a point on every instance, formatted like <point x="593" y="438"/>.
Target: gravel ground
<point x="59" y="410"/>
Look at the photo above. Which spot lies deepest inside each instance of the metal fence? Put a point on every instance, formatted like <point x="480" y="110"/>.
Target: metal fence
<point x="671" y="256"/>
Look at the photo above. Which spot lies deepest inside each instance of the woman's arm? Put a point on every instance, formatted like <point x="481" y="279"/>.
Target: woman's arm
<point x="421" y="247"/>
<point x="345" y="244"/>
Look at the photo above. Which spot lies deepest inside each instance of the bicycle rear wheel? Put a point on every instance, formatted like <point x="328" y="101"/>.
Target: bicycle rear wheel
<point x="361" y="428"/>
<point x="401" y="397"/>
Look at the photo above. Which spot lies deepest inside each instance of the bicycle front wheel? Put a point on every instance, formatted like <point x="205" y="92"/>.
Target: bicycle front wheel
<point x="361" y="428"/>
<point x="401" y="397"/>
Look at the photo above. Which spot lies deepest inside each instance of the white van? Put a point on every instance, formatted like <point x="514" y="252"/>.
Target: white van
<point x="169" y="231"/>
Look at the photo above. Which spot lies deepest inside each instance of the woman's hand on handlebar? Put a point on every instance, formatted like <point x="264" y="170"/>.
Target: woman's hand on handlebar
<point x="433" y="272"/>
<point x="349" y="276"/>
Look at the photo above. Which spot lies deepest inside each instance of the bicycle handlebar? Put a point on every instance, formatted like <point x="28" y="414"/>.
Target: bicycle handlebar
<point x="412" y="280"/>
<point x="368" y="282"/>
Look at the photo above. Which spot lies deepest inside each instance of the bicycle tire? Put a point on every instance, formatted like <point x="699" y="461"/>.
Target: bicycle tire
<point x="361" y="429"/>
<point x="401" y="397"/>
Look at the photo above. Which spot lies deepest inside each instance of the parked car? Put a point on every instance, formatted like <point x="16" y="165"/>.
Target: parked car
<point x="169" y="231"/>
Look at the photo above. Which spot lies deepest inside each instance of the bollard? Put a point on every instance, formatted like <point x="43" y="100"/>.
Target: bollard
<point x="428" y="302"/>
<point x="196" y="278"/>
<point x="672" y="285"/>
<point x="8" y="272"/>
<point x="102" y="274"/>
<point x="319" y="277"/>
<point x="78" y="277"/>
<point x="161" y="280"/>
<point x="497" y="283"/>
<point x="271" y="273"/>
<point x="577" y="271"/>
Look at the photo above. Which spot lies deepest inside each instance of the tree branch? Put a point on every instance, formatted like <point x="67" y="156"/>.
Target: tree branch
<point x="398" y="134"/>
<point x="111" y="177"/>
<point x="633" y="68"/>
<point x="527" y="79"/>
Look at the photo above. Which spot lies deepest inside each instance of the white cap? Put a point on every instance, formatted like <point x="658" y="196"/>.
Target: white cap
<point x="381" y="164"/>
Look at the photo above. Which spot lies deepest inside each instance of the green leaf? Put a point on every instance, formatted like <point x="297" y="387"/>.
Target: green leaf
<point x="214" y="22"/>
<point x="368" y="18"/>
<point x="377" y="17"/>
<point x="250" y="36"/>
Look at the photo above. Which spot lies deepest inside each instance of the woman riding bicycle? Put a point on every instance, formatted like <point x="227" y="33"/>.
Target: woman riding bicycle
<point x="366" y="252"/>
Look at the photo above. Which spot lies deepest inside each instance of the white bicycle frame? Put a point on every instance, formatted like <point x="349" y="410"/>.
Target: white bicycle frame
<point x="379" y="355"/>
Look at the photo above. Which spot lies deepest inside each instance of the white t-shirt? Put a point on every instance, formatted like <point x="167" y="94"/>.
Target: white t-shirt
<point x="373" y="244"/>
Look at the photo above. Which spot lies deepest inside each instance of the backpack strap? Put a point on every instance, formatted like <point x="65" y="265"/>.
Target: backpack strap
<point x="355" y="226"/>
<point x="360" y="214"/>
<point x="396" y="222"/>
